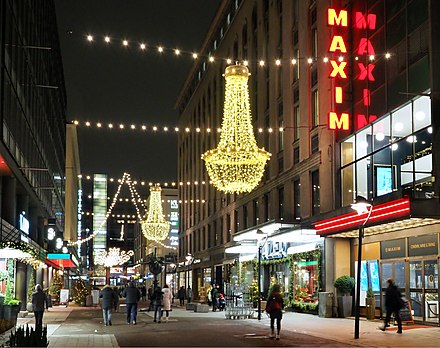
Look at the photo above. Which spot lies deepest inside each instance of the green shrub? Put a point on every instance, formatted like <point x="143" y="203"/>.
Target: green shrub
<point x="344" y="284"/>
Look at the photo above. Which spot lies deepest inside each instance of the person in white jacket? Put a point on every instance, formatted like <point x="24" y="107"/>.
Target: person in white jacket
<point x="167" y="299"/>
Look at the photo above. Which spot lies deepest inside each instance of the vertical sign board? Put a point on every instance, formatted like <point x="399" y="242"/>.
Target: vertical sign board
<point x="362" y="72"/>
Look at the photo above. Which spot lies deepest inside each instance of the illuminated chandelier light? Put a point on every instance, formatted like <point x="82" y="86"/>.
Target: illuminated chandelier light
<point x="237" y="164"/>
<point x="113" y="257"/>
<point x="155" y="227"/>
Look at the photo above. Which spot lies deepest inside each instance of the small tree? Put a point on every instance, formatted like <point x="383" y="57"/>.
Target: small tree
<point x="31" y="286"/>
<point x="56" y="284"/>
<point x="344" y="284"/>
<point x="80" y="291"/>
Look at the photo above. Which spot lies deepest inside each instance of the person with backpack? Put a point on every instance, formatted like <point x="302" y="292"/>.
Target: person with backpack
<point x="274" y="307"/>
<point x="157" y="299"/>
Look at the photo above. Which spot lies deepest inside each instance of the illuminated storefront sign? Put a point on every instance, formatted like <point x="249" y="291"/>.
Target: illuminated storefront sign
<point x="340" y="69"/>
<point x="23" y="225"/>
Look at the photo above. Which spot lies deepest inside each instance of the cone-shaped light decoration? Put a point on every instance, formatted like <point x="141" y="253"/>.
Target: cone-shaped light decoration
<point x="155" y="228"/>
<point x="237" y="164"/>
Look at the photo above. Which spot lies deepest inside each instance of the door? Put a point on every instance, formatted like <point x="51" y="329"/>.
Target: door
<point x="395" y="270"/>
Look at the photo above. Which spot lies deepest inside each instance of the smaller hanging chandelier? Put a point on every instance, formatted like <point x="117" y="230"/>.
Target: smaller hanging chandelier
<point x="237" y="164"/>
<point x="155" y="227"/>
<point x="113" y="257"/>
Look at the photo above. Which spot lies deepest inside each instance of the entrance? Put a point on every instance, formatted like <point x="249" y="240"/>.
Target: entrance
<point x="417" y="278"/>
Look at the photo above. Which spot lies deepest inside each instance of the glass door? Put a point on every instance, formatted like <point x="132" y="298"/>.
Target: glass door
<point x="430" y="278"/>
<point x="416" y="289"/>
<point x="393" y="270"/>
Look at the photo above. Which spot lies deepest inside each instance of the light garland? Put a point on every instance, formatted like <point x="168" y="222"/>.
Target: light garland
<point x="237" y="164"/>
<point x="155" y="227"/>
<point x="32" y="261"/>
<point x="143" y="47"/>
<point x="113" y="257"/>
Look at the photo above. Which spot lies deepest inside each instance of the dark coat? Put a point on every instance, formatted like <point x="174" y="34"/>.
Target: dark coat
<point x="275" y="297"/>
<point x="157" y="297"/>
<point x="109" y="298"/>
<point x="132" y="294"/>
<point x="393" y="298"/>
<point x="181" y="293"/>
<point x="39" y="301"/>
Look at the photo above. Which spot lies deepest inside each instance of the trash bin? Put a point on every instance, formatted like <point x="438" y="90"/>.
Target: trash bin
<point x="89" y="300"/>
<point x="325" y="304"/>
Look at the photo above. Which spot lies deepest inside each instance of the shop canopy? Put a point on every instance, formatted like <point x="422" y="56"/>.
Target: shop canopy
<point x="62" y="260"/>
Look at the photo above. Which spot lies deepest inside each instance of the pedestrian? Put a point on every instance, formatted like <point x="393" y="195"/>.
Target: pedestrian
<point x="274" y="306"/>
<point x="189" y="294"/>
<point x="39" y="303"/>
<point x="214" y="296"/>
<point x="158" y="303"/>
<point x="393" y="305"/>
<point x="116" y="290"/>
<point x="109" y="301"/>
<point x="167" y="298"/>
<point x="209" y="295"/>
<point x="144" y="292"/>
<point x="132" y="297"/>
<point x="181" y="294"/>
<point x="150" y="298"/>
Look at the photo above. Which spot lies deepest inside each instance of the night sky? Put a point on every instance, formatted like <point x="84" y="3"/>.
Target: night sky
<point x="112" y="83"/>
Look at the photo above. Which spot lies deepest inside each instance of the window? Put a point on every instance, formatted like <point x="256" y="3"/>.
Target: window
<point x="245" y="217"/>
<point x="296" y="122"/>
<point x="296" y="154"/>
<point x="255" y="212"/>
<point x="297" y="200"/>
<point x="315" y="108"/>
<point x="314" y="143"/>
<point x="280" y="164"/>
<point x="281" y="203"/>
<point x="280" y="134"/>
<point x="266" y="203"/>
<point x="315" y="193"/>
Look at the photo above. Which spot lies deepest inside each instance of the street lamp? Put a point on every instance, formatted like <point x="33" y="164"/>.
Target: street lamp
<point x="260" y="234"/>
<point x="362" y="206"/>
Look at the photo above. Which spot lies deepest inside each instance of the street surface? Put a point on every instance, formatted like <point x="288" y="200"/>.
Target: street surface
<point x="83" y="327"/>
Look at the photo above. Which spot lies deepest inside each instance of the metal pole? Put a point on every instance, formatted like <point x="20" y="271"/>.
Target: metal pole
<point x="259" y="282"/>
<point x="358" y="283"/>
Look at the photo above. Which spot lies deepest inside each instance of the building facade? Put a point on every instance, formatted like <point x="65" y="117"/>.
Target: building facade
<point x="343" y="95"/>
<point x="33" y="139"/>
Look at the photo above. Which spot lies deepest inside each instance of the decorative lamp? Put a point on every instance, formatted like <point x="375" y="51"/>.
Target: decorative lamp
<point x="237" y="164"/>
<point x="113" y="257"/>
<point x="155" y="227"/>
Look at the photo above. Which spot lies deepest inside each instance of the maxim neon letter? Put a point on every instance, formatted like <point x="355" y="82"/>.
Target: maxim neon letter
<point x="338" y="44"/>
<point x="336" y="122"/>
<point x="363" y="23"/>
<point x="366" y="71"/>
<point x="334" y="19"/>
<point x="338" y="69"/>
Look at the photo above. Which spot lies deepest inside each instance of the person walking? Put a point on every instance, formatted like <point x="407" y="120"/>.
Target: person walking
<point x="167" y="298"/>
<point x="189" y="294"/>
<point x="215" y="297"/>
<point x="158" y="303"/>
<point x="274" y="306"/>
<point x="109" y="301"/>
<point x="132" y="297"/>
<point x="209" y="295"/>
<point x="144" y="293"/>
<point x="181" y="295"/>
<point x="116" y="290"/>
<point x="393" y="305"/>
<point x="39" y="303"/>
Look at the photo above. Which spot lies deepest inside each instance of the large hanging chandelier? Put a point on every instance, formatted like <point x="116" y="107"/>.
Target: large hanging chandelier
<point x="113" y="257"/>
<point x="155" y="227"/>
<point x="237" y="164"/>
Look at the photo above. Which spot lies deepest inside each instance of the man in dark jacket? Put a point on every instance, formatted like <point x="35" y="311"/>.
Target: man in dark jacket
<point x="39" y="303"/>
<point x="109" y="301"/>
<point x="132" y="296"/>
<point x="181" y="295"/>
<point x="393" y="304"/>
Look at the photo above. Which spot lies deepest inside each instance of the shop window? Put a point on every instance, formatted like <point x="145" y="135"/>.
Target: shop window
<point x="422" y="113"/>
<point x="348" y="175"/>
<point x="381" y="133"/>
<point x="402" y="122"/>
<point x="363" y="143"/>
<point x="363" y="178"/>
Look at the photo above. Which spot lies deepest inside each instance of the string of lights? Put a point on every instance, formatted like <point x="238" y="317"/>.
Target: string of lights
<point x="142" y="47"/>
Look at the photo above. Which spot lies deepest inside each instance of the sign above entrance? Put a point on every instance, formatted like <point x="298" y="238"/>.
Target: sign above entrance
<point x="423" y="245"/>
<point x="392" y="249"/>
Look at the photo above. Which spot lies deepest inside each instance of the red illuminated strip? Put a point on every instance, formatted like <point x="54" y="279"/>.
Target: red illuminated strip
<point x="381" y="212"/>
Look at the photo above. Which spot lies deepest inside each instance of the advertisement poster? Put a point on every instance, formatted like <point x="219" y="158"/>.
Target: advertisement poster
<point x="64" y="296"/>
<point x="374" y="275"/>
<point x="364" y="276"/>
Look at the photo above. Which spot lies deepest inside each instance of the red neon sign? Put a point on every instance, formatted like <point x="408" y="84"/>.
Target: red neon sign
<point x="340" y="119"/>
<point x="380" y="213"/>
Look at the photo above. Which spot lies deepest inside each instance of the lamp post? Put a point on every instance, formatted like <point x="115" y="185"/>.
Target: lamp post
<point x="260" y="234"/>
<point x="361" y="206"/>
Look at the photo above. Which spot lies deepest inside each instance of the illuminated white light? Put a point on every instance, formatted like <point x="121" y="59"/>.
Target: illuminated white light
<point x="154" y="128"/>
<point x="89" y="38"/>
<point x="144" y="127"/>
<point x="293" y="61"/>
<point x="75" y="122"/>
<point x="430" y="130"/>
<point x="363" y="144"/>
<point x="125" y="43"/>
<point x="187" y="129"/>
<point x="387" y="55"/>
<point x="99" y="125"/>
<point x="325" y="59"/>
<point x="398" y="126"/>
<point x="420" y="115"/>
<point x="110" y="125"/>
<point x="245" y="63"/>
<point x="176" y="129"/>
<point x="371" y="57"/>
<point x="380" y="136"/>
<point x="177" y="51"/>
<point x="121" y="126"/>
<point x="197" y="129"/>
<point x="260" y="130"/>
<point x="261" y="63"/>
<point x="394" y="147"/>
<point x="411" y="139"/>
<point x="310" y="60"/>
<point x="341" y="59"/>
<point x="211" y="59"/>
<point x="165" y="129"/>
<point x="87" y="123"/>
<point x="133" y="126"/>
<point x="278" y="62"/>
<point x="143" y="46"/>
<point x="208" y="130"/>
<point x="229" y="61"/>
<point x="107" y="39"/>
<point x="160" y="49"/>
<point x="195" y="55"/>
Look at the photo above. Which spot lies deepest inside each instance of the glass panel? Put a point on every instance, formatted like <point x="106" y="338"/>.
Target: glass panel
<point x="348" y="189"/>
<point x="399" y="275"/>
<point x="431" y="274"/>
<point x="402" y="158"/>
<point x="384" y="174"/>
<point x="363" y="143"/>
<point x="402" y="122"/>
<point x="431" y="291"/>
<point x="363" y="177"/>
<point x="415" y="274"/>
<point x="387" y="273"/>
<point x="347" y="151"/>
<point x="416" y="305"/>
<point x="422" y="113"/>
<point x="382" y="133"/>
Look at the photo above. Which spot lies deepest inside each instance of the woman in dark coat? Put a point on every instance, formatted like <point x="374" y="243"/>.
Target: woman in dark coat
<point x="274" y="306"/>
<point x="393" y="304"/>
<point x="109" y="301"/>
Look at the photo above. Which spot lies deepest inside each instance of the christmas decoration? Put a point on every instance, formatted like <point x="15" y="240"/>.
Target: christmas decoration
<point x="113" y="257"/>
<point x="155" y="227"/>
<point x="31" y="286"/>
<point x="56" y="284"/>
<point x="80" y="291"/>
<point x="10" y="284"/>
<point x="237" y="164"/>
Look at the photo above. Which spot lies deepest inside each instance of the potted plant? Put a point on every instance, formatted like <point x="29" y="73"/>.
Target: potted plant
<point x="344" y="285"/>
<point x="370" y="304"/>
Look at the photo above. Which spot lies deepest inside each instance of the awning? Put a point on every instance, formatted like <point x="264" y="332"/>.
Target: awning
<point x="62" y="260"/>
